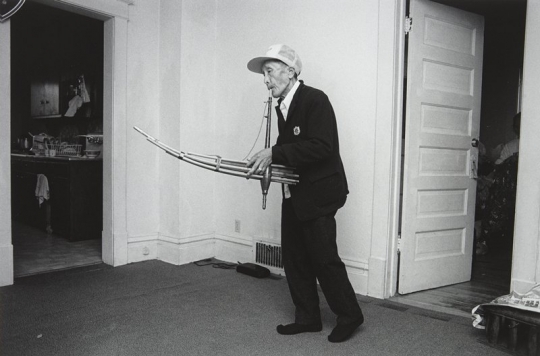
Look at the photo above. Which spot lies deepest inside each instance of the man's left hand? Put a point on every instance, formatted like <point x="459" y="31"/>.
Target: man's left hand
<point x="260" y="161"/>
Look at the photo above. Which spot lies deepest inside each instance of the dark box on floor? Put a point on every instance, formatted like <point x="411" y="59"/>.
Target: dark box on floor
<point x="518" y="330"/>
<point x="251" y="269"/>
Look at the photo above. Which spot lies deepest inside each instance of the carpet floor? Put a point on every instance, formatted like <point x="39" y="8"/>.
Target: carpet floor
<point x="155" y="308"/>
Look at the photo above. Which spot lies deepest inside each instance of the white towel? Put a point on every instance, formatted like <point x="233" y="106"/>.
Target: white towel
<point x="74" y="104"/>
<point x="84" y="93"/>
<point x="42" y="189"/>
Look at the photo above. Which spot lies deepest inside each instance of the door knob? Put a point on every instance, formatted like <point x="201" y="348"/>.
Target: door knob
<point x="475" y="142"/>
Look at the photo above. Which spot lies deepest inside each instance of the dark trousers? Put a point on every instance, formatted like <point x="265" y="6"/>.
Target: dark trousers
<point x="310" y="254"/>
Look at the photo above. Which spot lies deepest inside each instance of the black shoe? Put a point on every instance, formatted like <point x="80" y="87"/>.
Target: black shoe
<point x="343" y="331"/>
<point x="293" y="329"/>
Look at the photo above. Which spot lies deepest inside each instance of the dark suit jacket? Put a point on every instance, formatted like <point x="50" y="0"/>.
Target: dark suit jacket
<point x="308" y="141"/>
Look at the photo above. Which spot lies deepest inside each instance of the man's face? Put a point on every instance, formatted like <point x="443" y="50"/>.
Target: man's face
<point x="277" y="77"/>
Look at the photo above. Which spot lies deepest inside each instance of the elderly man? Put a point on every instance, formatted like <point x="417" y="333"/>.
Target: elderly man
<point x="308" y="141"/>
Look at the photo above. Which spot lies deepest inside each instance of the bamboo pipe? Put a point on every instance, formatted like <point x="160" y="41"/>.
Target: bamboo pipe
<point x="242" y="163"/>
<point x="242" y="172"/>
<point x="281" y="174"/>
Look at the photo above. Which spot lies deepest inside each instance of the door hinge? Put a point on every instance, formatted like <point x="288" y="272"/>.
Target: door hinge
<point x="399" y="243"/>
<point x="408" y="24"/>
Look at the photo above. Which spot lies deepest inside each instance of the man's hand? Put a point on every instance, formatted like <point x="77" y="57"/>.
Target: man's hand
<point x="260" y="161"/>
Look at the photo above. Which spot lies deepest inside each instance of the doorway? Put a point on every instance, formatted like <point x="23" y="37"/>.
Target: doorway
<point x="115" y="20"/>
<point x="61" y="52"/>
<point x="503" y="57"/>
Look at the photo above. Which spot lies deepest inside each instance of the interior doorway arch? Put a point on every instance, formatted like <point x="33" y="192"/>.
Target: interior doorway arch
<point x="114" y="237"/>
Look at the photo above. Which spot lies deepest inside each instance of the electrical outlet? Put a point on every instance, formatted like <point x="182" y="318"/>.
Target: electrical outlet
<point x="237" y="226"/>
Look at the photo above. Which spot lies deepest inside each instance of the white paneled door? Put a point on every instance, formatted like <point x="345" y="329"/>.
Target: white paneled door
<point x="444" y="79"/>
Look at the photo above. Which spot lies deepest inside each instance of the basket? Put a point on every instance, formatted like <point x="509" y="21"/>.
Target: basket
<point x="61" y="150"/>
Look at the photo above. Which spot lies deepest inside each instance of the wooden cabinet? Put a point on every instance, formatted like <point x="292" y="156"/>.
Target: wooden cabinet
<point x="24" y="206"/>
<point x="75" y="186"/>
<point x="45" y="98"/>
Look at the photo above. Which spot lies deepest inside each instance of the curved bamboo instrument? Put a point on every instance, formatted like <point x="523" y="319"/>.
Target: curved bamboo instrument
<point x="278" y="173"/>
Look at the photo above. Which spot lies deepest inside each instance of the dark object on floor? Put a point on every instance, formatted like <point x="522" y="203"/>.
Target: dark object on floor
<point x="517" y="329"/>
<point x="344" y="331"/>
<point x="293" y="329"/>
<point x="215" y="264"/>
<point x="253" y="270"/>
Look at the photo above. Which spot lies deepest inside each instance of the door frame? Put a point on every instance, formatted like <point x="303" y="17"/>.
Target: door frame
<point x="383" y="257"/>
<point x="384" y="260"/>
<point x="115" y="16"/>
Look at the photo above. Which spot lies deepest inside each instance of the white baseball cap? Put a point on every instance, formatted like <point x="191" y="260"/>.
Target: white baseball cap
<point x="280" y="52"/>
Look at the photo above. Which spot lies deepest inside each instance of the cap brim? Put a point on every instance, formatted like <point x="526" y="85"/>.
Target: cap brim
<point x="255" y="65"/>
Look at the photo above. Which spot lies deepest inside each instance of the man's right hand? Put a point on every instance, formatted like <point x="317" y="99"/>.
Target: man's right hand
<point x="259" y="162"/>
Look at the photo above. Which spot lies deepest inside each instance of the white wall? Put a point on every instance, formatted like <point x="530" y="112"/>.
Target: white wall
<point x="206" y="101"/>
<point x="187" y="120"/>
<point x="6" y="248"/>
<point x="210" y="103"/>
<point x="143" y="110"/>
<point x="171" y="95"/>
<point x="337" y="45"/>
<point x="526" y="253"/>
<point x="168" y="125"/>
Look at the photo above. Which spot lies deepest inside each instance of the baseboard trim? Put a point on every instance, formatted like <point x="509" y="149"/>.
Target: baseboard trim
<point x="233" y="249"/>
<point x="6" y="265"/>
<point x="180" y="251"/>
<point x="142" y="251"/>
<point x="358" y="275"/>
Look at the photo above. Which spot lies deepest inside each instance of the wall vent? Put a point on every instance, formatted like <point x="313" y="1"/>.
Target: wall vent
<point x="269" y="255"/>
